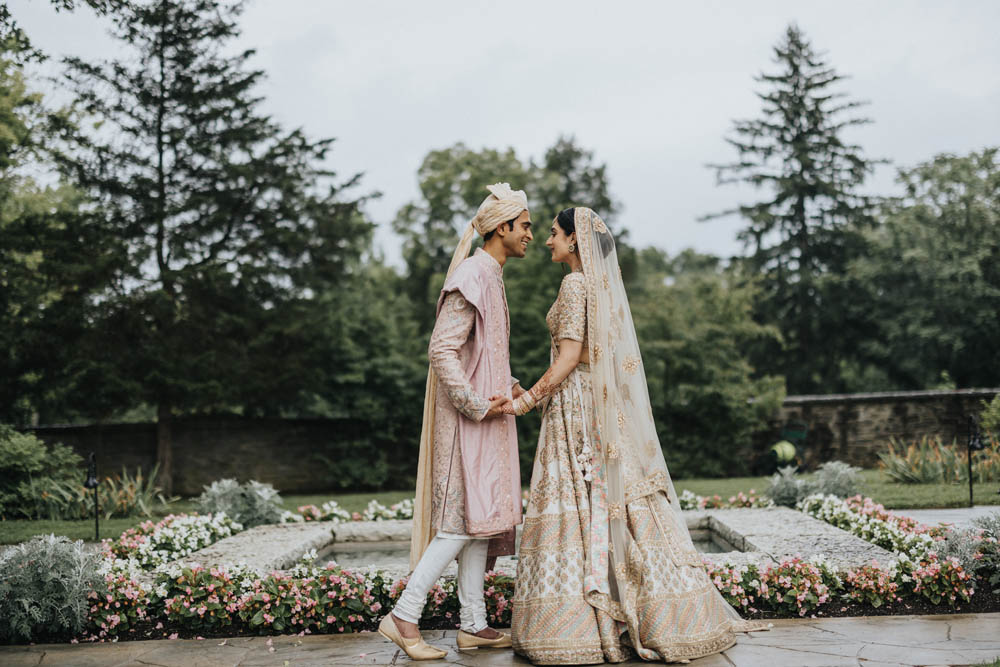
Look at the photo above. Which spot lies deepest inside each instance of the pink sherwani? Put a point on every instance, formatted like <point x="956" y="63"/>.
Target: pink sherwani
<point x="476" y="474"/>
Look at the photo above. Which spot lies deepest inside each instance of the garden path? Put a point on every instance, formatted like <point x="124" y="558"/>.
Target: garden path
<point x="885" y="641"/>
<point x="959" y="516"/>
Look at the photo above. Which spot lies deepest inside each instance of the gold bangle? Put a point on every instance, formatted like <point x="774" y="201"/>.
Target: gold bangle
<point x="524" y="405"/>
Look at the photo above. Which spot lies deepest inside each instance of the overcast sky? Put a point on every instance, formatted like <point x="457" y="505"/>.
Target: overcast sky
<point x="651" y="87"/>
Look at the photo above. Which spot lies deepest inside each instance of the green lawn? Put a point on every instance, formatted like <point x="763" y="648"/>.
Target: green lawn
<point x="893" y="496"/>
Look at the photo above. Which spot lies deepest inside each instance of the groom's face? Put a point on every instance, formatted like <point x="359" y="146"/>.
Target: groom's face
<point x="516" y="240"/>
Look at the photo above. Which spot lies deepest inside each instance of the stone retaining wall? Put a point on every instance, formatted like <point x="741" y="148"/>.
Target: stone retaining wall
<point x="295" y="455"/>
<point x="855" y="427"/>
<point x="321" y="455"/>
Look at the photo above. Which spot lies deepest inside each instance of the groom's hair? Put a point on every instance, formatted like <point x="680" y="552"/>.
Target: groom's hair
<point x="488" y="235"/>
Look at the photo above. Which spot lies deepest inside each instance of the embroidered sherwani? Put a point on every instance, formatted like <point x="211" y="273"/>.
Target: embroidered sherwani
<point x="475" y="475"/>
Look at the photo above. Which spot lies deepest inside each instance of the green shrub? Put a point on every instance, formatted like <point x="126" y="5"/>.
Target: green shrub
<point x="989" y="419"/>
<point x="989" y="563"/>
<point x="44" y="584"/>
<point x="349" y="470"/>
<point x="37" y="481"/>
<point x="837" y="478"/>
<point x="832" y="478"/>
<point x="122" y="496"/>
<point x="930" y="461"/>
<point x="960" y="543"/>
<point x="251" y="504"/>
<point x="786" y="488"/>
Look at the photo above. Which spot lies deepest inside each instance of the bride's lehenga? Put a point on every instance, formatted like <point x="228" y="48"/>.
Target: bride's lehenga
<point x="606" y="566"/>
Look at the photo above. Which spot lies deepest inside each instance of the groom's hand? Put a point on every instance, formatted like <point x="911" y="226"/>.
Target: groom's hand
<point x="516" y="390"/>
<point x="497" y="404"/>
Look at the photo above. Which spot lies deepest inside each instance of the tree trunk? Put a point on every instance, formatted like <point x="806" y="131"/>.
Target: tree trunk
<point x="164" y="448"/>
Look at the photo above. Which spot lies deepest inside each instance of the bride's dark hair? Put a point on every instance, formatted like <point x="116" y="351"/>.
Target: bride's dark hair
<point x="567" y="220"/>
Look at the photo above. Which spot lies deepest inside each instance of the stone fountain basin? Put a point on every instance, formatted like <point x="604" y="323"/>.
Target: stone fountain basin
<point x="736" y="536"/>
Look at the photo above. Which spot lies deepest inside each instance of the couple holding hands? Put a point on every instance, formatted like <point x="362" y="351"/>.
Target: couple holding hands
<point x="606" y="567"/>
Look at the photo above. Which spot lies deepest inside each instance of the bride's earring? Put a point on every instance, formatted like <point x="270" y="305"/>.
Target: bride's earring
<point x="572" y="247"/>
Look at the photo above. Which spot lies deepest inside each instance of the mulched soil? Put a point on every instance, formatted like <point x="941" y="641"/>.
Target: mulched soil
<point x="981" y="603"/>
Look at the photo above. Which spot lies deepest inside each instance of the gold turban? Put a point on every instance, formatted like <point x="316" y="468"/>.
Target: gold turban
<point x="501" y="205"/>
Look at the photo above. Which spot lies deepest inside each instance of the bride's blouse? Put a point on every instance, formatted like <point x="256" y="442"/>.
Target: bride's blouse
<point x="567" y="318"/>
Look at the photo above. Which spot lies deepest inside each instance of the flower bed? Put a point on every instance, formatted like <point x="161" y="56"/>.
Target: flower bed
<point x="795" y="587"/>
<point x="869" y="521"/>
<point x="690" y="501"/>
<point x="332" y="511"/>
<point x="238" y="601"/>
<point x="145" y="595"/>
<point x="178" y="535"/>
<point x="916" y="574"/>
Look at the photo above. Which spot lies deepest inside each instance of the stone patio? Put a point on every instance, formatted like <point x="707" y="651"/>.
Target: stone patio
<point x="885" y="641"/>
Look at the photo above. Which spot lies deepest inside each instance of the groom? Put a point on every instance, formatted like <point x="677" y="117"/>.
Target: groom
<point x="468" y="478"/>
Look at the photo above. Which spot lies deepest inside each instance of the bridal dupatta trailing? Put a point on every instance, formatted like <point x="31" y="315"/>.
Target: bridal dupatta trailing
<point x="607" y="564"/>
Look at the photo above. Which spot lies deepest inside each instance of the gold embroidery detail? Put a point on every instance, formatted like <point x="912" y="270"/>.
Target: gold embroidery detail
<point x="655" y="482"/>
<point x="597" y="351"/>
<point x="605" y="392"/>
<point x="616" y="511"/>
<point x="613" y="451"/>
<point x="600" y="226"/>
<point x="630" y="365"/>
<point x="604" y="279"/>
<point x="621" y="420"/>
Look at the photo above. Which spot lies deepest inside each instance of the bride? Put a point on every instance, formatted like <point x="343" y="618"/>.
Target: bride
<point x="606" y="563"/>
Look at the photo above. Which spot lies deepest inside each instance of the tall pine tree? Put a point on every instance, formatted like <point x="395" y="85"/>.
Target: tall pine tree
<point x="229" y="223"/>
<point x="802" y="235"/>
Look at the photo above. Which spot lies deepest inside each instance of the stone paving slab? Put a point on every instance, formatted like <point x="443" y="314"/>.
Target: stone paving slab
<point x="781" y="532"/>
<point x="265" y="548"/>
<point x="957" y="516"/>
<point x="391" y="530"/>
<point x="883" y="641"/>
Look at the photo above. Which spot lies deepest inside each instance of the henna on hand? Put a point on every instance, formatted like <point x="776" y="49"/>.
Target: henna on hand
<point x="544" y="386"/>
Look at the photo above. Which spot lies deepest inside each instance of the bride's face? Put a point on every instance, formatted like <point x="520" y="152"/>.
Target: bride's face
<point x="558" y="243"/>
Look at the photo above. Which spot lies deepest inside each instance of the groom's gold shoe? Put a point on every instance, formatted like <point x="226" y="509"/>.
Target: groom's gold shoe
<point x="469" y="640"/>
<point x="416" y="648"/>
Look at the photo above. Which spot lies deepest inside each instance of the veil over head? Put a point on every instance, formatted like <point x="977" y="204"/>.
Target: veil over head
<point x="623" y="416"/>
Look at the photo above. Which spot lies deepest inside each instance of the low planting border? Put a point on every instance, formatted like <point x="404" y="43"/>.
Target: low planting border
<point x="147" y="597"/>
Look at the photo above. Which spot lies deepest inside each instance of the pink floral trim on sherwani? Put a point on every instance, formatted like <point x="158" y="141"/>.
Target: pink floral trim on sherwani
<point x="476" y="474"/>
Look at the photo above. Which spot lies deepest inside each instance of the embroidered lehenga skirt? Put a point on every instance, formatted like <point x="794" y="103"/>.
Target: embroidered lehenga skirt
<point x="677" y="612"/>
